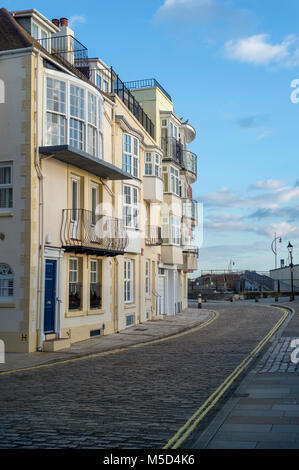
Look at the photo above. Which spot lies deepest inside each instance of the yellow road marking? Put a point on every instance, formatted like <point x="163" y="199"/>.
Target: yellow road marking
<point x="115" y="351"/>
<point x="184" y="432"/>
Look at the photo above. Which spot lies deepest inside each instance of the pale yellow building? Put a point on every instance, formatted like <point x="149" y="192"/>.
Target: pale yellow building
<point x="95" y="212"/>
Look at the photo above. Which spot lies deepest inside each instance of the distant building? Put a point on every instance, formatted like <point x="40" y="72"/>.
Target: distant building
<point x="283" y="275"/>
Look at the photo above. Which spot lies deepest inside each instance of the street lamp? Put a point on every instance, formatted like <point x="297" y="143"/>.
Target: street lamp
<point x="274" y="247"/>
<point x="290" y="250"/>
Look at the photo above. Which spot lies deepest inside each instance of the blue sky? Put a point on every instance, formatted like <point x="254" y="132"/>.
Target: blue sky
<point x="228" y="66"/>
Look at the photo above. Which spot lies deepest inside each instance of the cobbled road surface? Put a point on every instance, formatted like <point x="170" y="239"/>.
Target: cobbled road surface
<point x="133" y="399"/>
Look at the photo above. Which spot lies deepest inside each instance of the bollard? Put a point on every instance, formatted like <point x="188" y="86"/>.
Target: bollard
<point x="199" y="301"/>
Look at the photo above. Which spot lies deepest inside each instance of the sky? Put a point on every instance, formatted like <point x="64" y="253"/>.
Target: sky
<point x="231" y="68"/>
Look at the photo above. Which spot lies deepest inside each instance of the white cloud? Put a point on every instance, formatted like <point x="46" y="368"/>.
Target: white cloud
<point x="76" y="19"/>
<point x="265" y="133"/>
<point x="259" y="50"/>
<point x="200" y="12"/>
<point x="267" y="184"/>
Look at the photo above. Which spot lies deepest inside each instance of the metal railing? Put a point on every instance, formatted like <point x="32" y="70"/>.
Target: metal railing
<point x="191" y="249"/>
<point x="146" y="83"/>
<point x="172" y="149"/>
<point x="68" y="49"/>
<point x="117" y="86"/>
<point x="83" y="228"/>
<point x="153" y="236"/>
<point x="189" y="161"/>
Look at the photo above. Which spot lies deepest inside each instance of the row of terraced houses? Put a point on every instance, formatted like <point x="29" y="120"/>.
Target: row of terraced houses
<point x="96" y="211"/>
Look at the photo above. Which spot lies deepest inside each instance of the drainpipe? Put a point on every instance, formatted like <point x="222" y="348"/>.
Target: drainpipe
<point x="115" y="281"/>
<point x="40" y="176"/>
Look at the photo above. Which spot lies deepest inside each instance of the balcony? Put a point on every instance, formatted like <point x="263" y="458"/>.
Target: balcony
<point x="190" y="259"/>
<point x="84" y="161"/>
<point x="84" y="231"/>
<point x="146" y="83"/>
<point x="116" y="86"/>
<point x="67" y="50"/>
<point x="190" y="210"/>
<point x="173" y="149"/>
<point x="171" y="254"/>
<point x="153" y="235"/>
<point x="153" y="188"/>
<point x="189" y="163"/>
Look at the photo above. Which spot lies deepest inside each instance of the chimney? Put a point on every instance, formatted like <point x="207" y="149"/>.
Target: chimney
<point x="64" y="22"/>
<point x="56" y="22"/>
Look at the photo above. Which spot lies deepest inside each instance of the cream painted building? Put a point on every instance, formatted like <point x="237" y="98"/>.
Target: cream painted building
<point x="96" y="209"/>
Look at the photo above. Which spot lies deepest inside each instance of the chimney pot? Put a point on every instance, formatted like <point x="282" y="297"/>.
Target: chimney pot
<point x="56" y="22"/>
<point x="64" y="22"/>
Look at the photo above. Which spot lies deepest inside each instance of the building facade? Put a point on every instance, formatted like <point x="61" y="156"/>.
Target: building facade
<point x="96" y="208"/>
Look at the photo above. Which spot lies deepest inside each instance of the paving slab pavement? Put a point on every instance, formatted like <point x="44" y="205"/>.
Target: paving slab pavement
<point x="137" y="334"/>
<point x="263" y="412"/>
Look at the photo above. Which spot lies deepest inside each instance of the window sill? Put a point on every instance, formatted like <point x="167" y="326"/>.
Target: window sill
<point x="75" y="313"/>
<point x="6" y="214"/>
<point x="7" y="305"/>
<point x="96" y="311"/>
<point x="130" y="305"/>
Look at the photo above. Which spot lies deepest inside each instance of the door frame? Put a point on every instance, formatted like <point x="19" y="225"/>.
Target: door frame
<point x="56" y="254"/>
<point x="55" y="301"/>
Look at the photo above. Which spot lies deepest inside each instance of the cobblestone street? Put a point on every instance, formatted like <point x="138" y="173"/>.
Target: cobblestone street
<point x="137" y="398"/>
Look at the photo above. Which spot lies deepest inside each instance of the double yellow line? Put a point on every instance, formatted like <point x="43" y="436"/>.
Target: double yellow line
<point x="184" y="432"/>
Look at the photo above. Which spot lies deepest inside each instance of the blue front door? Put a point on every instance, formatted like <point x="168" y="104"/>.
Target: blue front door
<point x="50" y="296"/>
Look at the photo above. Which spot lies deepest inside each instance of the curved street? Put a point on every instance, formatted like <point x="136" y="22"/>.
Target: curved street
<point x="134" y="399"/>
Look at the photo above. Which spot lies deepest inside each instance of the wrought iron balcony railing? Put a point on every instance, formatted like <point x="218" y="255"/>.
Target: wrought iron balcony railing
<point x="67" y="49"/>
<point x="191" y="249"/>
<point x="146" y="83"/>
<point x="108" y="80"/>
<point x="85" y="229"/>
<point x="153" y="236"/>
<point x="190" y="209"/>
<point x="172" y="149"/>
<point x="189" y="162"/>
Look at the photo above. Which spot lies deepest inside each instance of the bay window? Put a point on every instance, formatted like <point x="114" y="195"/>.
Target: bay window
<point x="77" y="115"/>
<point x="175" y="230"/>
<point x="73" y="116"/>
<point x="174" y="181"/>
<point x="56" y="112"/>
<point x="153" y="164"/>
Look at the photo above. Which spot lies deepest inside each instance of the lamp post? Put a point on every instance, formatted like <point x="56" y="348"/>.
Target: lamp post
<point x="290" y="249"/>
<point x="274" y="247"/>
